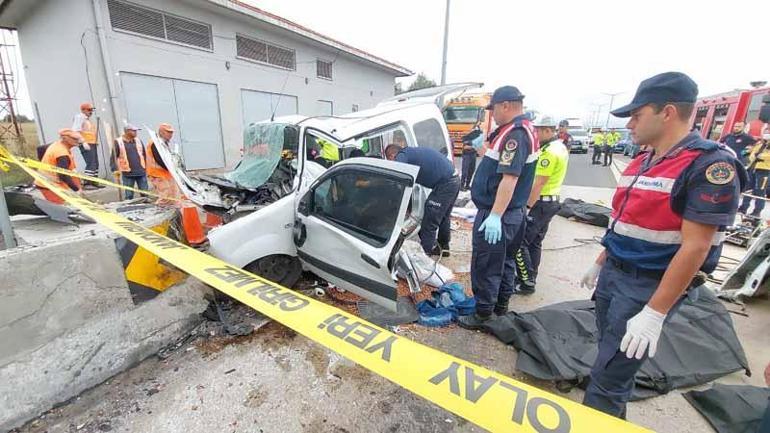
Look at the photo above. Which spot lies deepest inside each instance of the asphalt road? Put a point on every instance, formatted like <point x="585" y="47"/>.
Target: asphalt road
<point x="582" y="173"/>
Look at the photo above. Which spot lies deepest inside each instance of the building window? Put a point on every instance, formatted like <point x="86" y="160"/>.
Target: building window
<point x="264" y="52"/>
<point x="144" y="21"/>
<point x="354" y="108"/>
<point x="324" y="69"/>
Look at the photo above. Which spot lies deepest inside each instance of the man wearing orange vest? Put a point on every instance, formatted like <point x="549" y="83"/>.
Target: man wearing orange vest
<point x="87" y="128"/>
<point x="157" y="172"/>
<point x="59" y="154"/>
<point x="130" y="156"/>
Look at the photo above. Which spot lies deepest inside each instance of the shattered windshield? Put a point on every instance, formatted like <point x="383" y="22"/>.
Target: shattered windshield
<point x="263" y="145"/>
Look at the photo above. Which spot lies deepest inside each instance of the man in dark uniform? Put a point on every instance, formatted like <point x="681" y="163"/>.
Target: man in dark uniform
<point x="470" y="153"/>
<point x="438" y="174"/>
<point x="739" y="142"/>
<point x="668" y="221"/>
<point x="500" y="191"/>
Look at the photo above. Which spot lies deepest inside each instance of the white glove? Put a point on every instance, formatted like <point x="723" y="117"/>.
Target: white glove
<point x="642" y="331"/>
<point x="86" y="146"/>
<point x="589" y="278"/>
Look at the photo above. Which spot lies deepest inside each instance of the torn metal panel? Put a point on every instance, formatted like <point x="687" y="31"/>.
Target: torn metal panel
<point x="749" y="278"/>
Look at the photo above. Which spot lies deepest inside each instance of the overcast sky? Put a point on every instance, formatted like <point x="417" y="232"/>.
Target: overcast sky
<point x="562" y="54"/>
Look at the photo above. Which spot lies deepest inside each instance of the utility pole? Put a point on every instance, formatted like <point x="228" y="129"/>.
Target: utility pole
<point x="595" y="114"/>
<point x="446" y="44"/>
<point x="612" y="99"/>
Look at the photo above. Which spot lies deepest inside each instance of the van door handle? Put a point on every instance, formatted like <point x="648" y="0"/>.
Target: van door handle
<point x="370" y="260"/>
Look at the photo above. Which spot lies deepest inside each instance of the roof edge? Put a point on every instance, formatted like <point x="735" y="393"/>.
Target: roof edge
<point x="270" y="18"/>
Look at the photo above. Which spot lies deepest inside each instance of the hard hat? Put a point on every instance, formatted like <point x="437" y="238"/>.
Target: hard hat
<point x="131" y="127"/>
<point x="545" y="122"/>
<point x="165" y="127"/>
<point x="86" y="106"/>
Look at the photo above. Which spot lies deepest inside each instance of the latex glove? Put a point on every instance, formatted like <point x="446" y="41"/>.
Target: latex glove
<point x="589" y="278"/>
<point x="492" y="228"/>
<point x="86" y="146"/>
<point x="642" y="332"/>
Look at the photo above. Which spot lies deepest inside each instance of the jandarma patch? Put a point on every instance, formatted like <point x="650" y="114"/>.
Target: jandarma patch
<point x="511" y="145"/>
<point x="720" y="173"/>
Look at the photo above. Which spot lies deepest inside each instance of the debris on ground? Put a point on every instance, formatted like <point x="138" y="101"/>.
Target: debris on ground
<point x="731" y="408"/>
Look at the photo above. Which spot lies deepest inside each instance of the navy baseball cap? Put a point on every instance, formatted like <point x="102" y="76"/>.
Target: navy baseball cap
<point x="505" y="93"/>
<point x="661" y="89"/>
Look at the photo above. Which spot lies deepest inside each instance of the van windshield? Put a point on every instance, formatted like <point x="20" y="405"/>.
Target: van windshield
<point x="263" y="146"/>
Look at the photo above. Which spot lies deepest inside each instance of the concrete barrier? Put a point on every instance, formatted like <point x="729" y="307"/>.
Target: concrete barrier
<point x="68" y="323"/>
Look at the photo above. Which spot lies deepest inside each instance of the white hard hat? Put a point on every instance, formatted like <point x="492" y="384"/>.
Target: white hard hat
<point x="546" y="121"/>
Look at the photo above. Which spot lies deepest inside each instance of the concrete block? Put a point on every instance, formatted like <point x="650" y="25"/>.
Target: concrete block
<point x="67" y="323"/>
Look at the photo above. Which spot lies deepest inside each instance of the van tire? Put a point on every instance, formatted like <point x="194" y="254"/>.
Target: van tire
<point x="278" y="268"/>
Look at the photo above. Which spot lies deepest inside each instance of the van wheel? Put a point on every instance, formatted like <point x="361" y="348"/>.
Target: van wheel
<point x="278" y="268"/>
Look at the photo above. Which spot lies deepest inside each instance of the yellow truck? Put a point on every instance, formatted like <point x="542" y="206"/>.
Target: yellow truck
<point x="463" y="113"/>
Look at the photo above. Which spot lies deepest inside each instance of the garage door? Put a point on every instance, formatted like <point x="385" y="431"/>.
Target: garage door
<point x="259" y="106"/>
<point x="192" y="107"/>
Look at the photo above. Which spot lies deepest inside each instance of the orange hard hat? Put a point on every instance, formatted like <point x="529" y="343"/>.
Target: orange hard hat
<point x="165" y="127"/>
<point x="86" y="106"/>
<point x="67" y="132"/>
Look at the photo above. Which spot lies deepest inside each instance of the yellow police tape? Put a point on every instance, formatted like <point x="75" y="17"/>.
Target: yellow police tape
<point x="5" y="157"/>
<point x="484" y="397"/>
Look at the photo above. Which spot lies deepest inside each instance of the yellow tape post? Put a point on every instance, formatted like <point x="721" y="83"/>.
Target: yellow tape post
<point x="484" y="397"/>
<point x="6" y="157"/>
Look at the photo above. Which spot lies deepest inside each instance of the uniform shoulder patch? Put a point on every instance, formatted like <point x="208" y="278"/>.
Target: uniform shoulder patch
<point x="720" y="173"/>
<point x="545" y="162"/>
<point x="511" y="145"/>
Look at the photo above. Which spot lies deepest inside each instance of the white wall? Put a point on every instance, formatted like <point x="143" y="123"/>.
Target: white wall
<point x="55" y="66"/>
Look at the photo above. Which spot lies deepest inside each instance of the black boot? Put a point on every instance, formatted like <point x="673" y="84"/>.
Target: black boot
<point x="500" y="309"/>
<point x="525" y="288"/>
<point x="474" y="321"/>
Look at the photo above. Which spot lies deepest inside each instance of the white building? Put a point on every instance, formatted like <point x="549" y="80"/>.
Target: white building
<point x="209" y="67"/>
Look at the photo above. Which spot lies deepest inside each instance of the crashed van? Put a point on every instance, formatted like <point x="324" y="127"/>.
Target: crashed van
<point x="316" y="193"/>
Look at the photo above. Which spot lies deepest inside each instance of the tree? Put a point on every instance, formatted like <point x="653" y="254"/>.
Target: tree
<point x="421" y="82"/>
<point x="19" y="117"/>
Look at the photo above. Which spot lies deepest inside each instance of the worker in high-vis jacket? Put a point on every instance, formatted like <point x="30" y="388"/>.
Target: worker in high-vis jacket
<point x="59" y="154"/>
<point x="157" y="172"/>
<point x="130" y="157"/>
<point x="84" y="125"/>
<point x="759" y="164"/>
<point x="598" y="140"/>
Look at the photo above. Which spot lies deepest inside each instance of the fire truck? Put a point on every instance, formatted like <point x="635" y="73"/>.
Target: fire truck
<point x="714" y="116"/>
<point x="463" y="113"/>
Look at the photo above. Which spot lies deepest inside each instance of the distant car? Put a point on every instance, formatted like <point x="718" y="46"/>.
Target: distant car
<point x="580" y="142"/>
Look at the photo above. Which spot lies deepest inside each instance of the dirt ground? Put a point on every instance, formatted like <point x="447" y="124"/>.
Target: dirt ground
<point x="277" y="381"/>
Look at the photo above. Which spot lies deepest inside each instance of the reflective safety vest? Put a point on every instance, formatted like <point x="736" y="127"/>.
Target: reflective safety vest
<point x="329" y="151"/>
<point x="644" y="229"/>
<point x="54" y="152"/>
<point x="123" y="164"/>
<point x="598" y="139"/>
<point x="153" y="168"/>
<point x="88" y="131"/>
<point x="495" y="147"/>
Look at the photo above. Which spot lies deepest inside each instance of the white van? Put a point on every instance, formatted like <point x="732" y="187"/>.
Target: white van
<point x="287" y="211"/>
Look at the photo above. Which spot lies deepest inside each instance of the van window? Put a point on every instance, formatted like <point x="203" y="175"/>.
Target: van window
<point x="430" y="133"/>
<point x="374" y="144"/>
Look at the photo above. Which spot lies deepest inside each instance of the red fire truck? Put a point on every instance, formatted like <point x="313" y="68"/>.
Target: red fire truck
<point x="714" y="116"/>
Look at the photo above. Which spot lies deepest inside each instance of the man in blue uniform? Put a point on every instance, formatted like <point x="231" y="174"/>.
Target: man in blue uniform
<point x="668" y="218"/>
<point x="438" y="174"/>
<point x="500" y="191"/>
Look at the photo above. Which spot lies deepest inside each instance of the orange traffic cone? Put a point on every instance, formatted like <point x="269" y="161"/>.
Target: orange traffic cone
<point x="193" y="230"/>
<point x="213" y="220"/>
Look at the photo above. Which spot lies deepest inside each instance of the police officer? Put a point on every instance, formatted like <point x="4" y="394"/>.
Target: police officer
<point x="438" y="174"/>
<point x="500" y="190"/>
<point x="543" y="203"/>
<point x="598" y="140"/>
<point x="662" y="233"/>
<point x="609" y="146"/>
<point x="472" y="141"/>
<point x="564" y="134"/>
